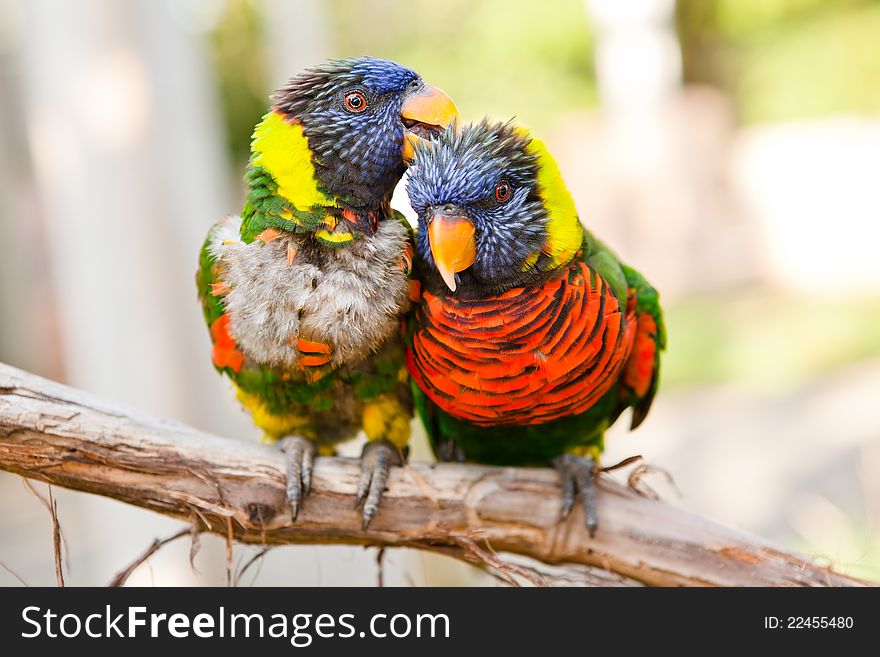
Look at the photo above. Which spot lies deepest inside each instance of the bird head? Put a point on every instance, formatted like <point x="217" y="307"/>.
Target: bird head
<point x="362" y="118"/>
<point x="493" y="209"/>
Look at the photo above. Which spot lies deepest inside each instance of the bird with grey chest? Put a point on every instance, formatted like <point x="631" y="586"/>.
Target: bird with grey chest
<point x="304" y="292"/>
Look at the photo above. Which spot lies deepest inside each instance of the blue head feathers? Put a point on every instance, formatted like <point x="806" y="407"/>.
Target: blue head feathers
<point x="357" y="115"/>
<point x="486" y="176"/>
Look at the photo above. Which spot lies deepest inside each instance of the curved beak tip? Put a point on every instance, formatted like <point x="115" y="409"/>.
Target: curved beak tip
<point x="448" y="277"/>
<point x="409" y="146"/>
<point x="453" y="246"/>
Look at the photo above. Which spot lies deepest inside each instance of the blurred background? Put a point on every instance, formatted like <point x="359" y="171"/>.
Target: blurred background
<point x="730" y="149"/>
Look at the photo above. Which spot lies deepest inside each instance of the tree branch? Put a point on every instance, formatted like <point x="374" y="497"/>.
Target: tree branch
<point x="67" y="437"/>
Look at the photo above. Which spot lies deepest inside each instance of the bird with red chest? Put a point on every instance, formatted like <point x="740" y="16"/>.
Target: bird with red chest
<point x="530" y="337"/>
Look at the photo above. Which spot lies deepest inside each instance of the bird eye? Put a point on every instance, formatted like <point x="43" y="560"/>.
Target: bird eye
<point x="502" y="192"/>
<point x="355" y="101"/>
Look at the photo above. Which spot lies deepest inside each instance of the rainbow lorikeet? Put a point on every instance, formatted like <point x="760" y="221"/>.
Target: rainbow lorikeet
<point x="304" y="293"/>
<point x="531" y="337"/>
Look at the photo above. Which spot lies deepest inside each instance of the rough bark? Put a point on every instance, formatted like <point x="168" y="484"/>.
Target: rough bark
<point x="67" y="437"/>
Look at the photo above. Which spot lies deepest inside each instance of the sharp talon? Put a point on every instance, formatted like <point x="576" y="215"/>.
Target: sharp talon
<point x="592" y="526"/>
<point x="376" y="461"/>
<point x="568" y="487"/>
<point x="586" y="483"/>
<point x="367" y="518"/>
<point x="300" y="460"/>
<point x="377" y="487"/>
<point x="308" y="464"/>
<point x="577" y="477"/>
<point x="363" y="484"/>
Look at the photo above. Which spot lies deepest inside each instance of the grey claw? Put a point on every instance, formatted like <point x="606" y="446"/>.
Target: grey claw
<point x="578" y="476"/>
<point x="567" y="484"/>
<point x="376" y="460"/>
<point x="363" y="484"/>
<point x="300" y="462"/>
<point x="308" y="464"/>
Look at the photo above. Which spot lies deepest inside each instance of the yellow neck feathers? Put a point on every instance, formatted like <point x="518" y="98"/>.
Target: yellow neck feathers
<point x="564" y="231"/>
<point x="281" y="148"/>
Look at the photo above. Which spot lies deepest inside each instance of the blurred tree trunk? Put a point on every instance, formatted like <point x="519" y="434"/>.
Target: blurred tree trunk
<point x="28" y="335"/>
<point x="708" y="58"/>
<point x="123" y="131"/>
<point x="297" y="36"/>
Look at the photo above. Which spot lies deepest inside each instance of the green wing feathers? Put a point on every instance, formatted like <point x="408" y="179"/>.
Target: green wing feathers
<point x="226" y="356"/>
<point x="603" y="261"/>
<point x="642" y="372"/>
<point x="206" y="278"/>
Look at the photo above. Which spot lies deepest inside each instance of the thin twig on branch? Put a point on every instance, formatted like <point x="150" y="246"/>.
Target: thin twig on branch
<point x="57" y="537"/>
<point x="123" y="575"/>
<point x="67" y="437"/>
<point x="257" y="558"/>
<point x="13" y="573"/>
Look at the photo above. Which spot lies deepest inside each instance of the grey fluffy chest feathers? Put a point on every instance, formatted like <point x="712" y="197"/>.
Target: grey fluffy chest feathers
<point x="351" y="297"/>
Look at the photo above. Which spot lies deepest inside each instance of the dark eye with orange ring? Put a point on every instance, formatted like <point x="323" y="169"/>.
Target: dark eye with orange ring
<point x="502" y="192"/>
<point x="355" y="101"/>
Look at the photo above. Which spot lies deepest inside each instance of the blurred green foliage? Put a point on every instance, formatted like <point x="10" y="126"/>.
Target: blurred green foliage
<point x="852" y="547"/>
<point x="785" y="59"/>
<point x="503" y="58"/>
<point x="767" y="341"/>
<point x="239" y="60"/>
<point x="778" y="59"/>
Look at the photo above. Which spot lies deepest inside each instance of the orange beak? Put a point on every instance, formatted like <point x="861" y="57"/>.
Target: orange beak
<point x="426" y="111"/>
<point x="453" y="245"/>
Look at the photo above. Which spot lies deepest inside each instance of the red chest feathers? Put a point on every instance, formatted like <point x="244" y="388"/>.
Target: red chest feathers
<point x="528" y="356"/>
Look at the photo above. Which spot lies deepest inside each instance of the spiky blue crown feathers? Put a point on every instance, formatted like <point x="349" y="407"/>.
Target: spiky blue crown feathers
<point x="356" y="155"/>
<point x="463" y="170"/>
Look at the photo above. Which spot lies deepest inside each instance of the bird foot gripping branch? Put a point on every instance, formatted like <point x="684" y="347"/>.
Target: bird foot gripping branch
<point x="300" y="455"/>
<point x="577" y="475"/>
<point x="376" y="460"/>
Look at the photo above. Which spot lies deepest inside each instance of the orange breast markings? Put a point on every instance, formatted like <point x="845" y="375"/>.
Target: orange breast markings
<point x="524" y="357"/>
<point x="225" y="353"/>
<point x="311" y="353"/>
